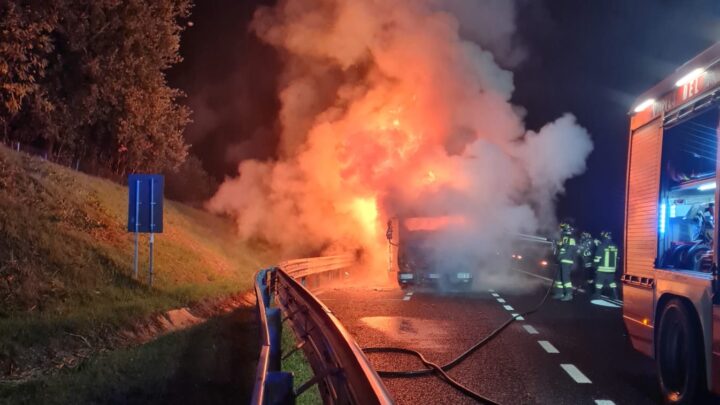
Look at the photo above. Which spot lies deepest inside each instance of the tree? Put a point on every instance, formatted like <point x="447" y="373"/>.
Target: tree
<point x="24" y="46"/>
<point x="109" y="101"/>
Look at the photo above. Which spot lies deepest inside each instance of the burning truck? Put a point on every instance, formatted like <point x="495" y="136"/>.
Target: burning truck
<point x="410" y="253"/>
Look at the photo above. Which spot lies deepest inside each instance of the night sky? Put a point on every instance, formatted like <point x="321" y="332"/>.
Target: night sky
<point x="591" y="58"/>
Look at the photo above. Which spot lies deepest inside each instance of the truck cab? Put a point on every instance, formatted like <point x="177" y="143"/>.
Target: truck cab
<point x="410" y="253"/>
<point x="671" y="304"/>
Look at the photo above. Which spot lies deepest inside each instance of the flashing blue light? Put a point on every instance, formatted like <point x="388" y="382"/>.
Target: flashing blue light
<point x="663" y="213"/>
<point x="673" y="211"/>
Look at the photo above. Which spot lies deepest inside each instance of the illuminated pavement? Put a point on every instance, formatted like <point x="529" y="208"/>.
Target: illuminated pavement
<point x="567" y="353"/>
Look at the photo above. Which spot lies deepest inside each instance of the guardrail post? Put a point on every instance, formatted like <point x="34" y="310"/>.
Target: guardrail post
<point x="262" y="281"/>
<point x="274" y="318"/>
<point x="279" y="388"/>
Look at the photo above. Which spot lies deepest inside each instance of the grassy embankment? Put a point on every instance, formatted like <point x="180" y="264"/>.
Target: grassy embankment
<point x="66" y="259"/>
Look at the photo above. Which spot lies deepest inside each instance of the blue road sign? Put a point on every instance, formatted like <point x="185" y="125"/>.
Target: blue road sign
<point x="145" y="203"/>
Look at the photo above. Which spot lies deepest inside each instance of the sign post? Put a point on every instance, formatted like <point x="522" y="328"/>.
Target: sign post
<point x="145" y="213"/>
<point x="137" y="226"/>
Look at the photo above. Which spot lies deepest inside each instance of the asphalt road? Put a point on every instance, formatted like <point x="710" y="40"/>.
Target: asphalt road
<point x="566" y="353"/>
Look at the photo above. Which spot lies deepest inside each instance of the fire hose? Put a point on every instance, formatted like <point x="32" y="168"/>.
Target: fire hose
<point x="442" y="370"/>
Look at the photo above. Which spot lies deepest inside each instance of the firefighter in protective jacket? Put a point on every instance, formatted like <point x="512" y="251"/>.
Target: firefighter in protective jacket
<point x="566" y="253"/>
<point x="606" y="257"/>
<point x="587" y="256"/>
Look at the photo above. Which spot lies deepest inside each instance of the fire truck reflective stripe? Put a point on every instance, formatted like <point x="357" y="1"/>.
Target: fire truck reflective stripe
<point x="508" y="307"/>
<point x="500" y="300"/>
<point x="530" y="329"/>
<point x="604" y="402"/>
<point x="548" y="346"/>
<point x="575" y="374"/>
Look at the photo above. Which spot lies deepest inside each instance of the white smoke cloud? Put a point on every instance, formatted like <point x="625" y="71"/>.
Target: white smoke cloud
<point x="396" y="107"/>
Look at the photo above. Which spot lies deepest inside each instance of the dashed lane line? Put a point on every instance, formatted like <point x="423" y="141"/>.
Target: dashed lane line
<point x="604" y="402"/>
<point x="530" y="329"/>
<point x="508" y="307"/>
<point x="517" y="317"/>
<point x="501" y="300"/>
<point x="495" y="295"/>
<point x="548" y="346"/>
<point x="575" y="374"/>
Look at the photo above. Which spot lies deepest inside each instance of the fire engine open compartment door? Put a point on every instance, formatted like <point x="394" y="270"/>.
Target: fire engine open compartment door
<point x="641" y="226"/>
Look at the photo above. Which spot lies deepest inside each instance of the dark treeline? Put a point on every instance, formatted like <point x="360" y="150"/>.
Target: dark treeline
<point x="85" y="79"/>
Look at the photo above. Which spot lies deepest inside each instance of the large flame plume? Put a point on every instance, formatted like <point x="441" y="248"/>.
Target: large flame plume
<point x="388" y="110"/>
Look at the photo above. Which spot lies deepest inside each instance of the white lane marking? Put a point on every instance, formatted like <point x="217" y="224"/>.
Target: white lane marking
<point x="548" y="346"/>
<point x="407" y="297"/>
<point x="604" y="402"/>
<point x="495" y="295"/>
<point x="410" y="293"/>
<point x="508" y="307"/>
<point x="517" y="317"/>
<point x="530" y="329"/>
<point x="500" y="300"/>
<point x="576" y="374"/>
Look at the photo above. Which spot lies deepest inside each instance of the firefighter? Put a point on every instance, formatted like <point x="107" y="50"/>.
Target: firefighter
<point x="566" y="253"/>
<point x="606" y="256"/>
<point x="587" y="257"/>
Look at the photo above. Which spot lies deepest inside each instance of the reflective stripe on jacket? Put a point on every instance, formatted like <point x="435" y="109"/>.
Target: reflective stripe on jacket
<point x="606" y="257"/>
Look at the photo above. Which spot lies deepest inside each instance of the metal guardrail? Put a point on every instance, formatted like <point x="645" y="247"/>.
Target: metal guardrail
<point x="342" y="372"/>
<point x="301" y="268"/>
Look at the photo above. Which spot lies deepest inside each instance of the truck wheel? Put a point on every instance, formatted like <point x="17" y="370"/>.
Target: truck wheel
<point x="679" y="354"/>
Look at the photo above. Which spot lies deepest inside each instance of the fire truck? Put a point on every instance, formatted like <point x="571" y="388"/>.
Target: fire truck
<point x="670" y="278"/>
<point x="410" y="254"/>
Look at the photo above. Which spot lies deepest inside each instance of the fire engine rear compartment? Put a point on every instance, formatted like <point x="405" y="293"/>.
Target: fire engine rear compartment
<point x="687" y="193"/>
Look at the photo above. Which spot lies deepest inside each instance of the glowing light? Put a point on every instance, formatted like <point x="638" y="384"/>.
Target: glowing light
<point x="365" y="210"/>
<point x="663" y="213"/>
<point x="690" y="77"/>
<point x="519" y="257"/>
<point x="544" y="263"/>
<point x="431" y="178"/>
<point x="396" y="122"/>
<point x="645" y="104"/>
<point x="645" y="321"/>
<point x="707" y="186"/>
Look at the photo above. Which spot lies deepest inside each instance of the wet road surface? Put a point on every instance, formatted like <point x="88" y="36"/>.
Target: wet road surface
<point x="566" y="353"/>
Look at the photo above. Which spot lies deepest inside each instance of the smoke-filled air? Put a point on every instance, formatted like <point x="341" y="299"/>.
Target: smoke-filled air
<point x="397" y="108"/>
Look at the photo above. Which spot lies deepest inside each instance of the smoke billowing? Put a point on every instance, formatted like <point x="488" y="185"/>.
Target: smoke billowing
<point x="400" y="108"/>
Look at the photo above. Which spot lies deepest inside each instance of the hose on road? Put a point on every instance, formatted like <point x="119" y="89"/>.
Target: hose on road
<point x="442" y="370"/>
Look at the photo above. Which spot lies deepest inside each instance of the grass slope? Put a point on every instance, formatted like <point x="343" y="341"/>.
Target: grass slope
<point x="66" y="259"/>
